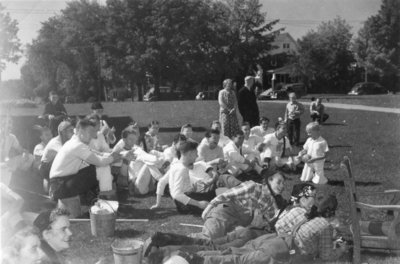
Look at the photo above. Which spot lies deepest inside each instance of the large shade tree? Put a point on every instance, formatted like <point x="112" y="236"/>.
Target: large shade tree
<point x="377" y="45"/>
<point x="121" y="44"/>
<point x="10" y="45"/>
<point x="325" y="56"/>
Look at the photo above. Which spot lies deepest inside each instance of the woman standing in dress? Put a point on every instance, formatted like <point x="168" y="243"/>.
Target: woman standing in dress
<point x="228" y="105"/>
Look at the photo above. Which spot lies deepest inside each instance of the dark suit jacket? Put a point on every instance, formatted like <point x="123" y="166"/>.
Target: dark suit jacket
<point x="248" y="108"/>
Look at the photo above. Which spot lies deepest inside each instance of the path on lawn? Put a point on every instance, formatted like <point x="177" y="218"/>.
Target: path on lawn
<point x="350" y="107"/>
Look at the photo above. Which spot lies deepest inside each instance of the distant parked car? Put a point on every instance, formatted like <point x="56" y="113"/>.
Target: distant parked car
<point x="367" y="88"/>
<point x="282" y="94"/>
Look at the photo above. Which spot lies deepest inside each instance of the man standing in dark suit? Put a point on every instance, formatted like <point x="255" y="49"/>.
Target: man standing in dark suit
<point x="247" y="102"/>
<point x="54" y="111"/>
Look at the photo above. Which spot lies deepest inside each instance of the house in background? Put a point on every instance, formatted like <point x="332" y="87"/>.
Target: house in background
<point x="279" y="70"/>
<point x="284" y="43"/>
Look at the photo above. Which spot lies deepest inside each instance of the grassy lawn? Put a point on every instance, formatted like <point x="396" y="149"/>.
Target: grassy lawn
<point x="381" y="100"/>
<point x="370" y="139"/>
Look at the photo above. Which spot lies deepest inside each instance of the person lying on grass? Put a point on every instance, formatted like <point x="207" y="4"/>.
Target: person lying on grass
<point x="54" y="227"/>
<point x="300" y="232"/>
<point x="237" y="206"/>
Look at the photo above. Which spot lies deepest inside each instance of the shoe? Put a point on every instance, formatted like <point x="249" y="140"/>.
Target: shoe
<point x="148" y="245"/>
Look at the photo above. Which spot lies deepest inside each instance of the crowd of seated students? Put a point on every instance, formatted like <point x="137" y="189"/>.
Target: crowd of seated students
<point x="229" y="182"/>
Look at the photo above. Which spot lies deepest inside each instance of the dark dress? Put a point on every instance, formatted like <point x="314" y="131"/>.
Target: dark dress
<point x="248" y="108"/>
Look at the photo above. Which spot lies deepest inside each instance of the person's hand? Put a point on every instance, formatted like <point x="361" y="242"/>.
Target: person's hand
<point x="203" y="204"/>
<point x="206" y="211"/>
<point x="51" y="116"/>
<point x="155" y="206"/>
<point x="302" y="152"/>
<point x="128" y="155"/>
<point x="116" y="156"/>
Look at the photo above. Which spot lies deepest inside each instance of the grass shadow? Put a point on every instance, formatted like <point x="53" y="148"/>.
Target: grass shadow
<point x="340" y="146"/>
<point x="334" y="124"/>
<point x="157" y="214"/>
<point x="358" y="183"/>
<point x="127" y="233"/>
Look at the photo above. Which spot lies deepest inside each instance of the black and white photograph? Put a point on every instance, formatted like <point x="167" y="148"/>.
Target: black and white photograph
<point x="200" y="131"/>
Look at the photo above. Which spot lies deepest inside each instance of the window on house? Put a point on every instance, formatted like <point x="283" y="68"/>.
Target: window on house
<point x="286" y="45"/>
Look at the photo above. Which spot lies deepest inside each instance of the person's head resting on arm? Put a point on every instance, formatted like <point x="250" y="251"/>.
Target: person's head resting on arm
<point x="54" y="227"/>
<point x="303" y="195"/>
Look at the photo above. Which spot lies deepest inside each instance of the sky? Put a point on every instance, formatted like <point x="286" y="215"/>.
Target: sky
<point x="296" y="16"/>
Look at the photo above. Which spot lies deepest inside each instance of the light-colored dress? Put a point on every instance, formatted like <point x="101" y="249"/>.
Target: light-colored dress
<point x="229" y="121"/>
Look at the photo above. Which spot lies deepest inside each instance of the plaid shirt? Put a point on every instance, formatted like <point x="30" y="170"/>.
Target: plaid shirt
<point x="251" y="196"/>
<point x="289" y="219"/>
<point x="316" y="238"/>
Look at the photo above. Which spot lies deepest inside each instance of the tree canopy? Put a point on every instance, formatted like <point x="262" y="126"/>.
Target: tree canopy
<point x="10" y="46"/>
<point x="377" y="46"/>
<point x="179" y="42"/>
<point x="325" y="56"/>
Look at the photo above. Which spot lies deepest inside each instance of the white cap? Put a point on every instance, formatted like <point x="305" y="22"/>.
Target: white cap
<point x="176" y="260"/>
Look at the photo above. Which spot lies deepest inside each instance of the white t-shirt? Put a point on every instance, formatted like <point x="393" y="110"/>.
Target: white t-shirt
<point x="274" y="147"/>
<point x="233" y="154"/>
<point x="316" y="147"/>
<point x="39" y="149"/>
<point x="199" y="172"/>
<point x="207" y="154"/>
<point x="70" y="158"/>
<point x="179" y="182"/>
<point x="54" y="145"/>
<point x="259" y="131"/>
<point x="250" y="144"/>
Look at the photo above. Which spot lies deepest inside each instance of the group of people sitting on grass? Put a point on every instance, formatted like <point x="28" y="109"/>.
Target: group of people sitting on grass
<point x="230" y="182"/>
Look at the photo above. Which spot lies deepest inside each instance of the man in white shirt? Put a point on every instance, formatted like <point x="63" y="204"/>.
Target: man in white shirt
<point x="277" y="151"/>
<point x="73" y="171"/>
<point x="250" y="142"/>
<point x="263" y="129"/>
<point x="186" y="200"/>
<point x="209" y="151"/>
<point x="238" y="165"/>
<point x="65" y="132"/>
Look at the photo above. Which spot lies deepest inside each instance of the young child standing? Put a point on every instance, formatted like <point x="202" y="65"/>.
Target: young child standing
<point x="313" y="154"/>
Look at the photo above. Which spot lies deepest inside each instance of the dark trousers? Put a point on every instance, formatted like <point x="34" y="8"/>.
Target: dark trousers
<point x="73" y="185"/>
<point x="294" y="131"/>
<point x="320" y="119"/>
<point x="44" y="170"/>
<point x="191" y="209"/>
